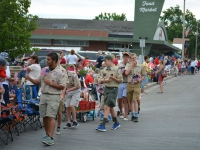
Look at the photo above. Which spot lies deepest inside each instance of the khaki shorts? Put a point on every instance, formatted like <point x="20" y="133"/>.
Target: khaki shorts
<point x="102" y="103"/>
<point x="133" y="92"/>
<point x="49" y="105"/>
<point x="110" y="96"/>
<point x="61" y="107"/>
<point x="72" y="98"/>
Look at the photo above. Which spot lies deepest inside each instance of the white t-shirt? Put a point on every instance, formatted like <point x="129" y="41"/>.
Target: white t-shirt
<point x="183" y="65"/>
<point x="72" y="59"/>
<point x="34" y="73"/>
<point x="193" y="64"/>
<point x="196" y="63"/>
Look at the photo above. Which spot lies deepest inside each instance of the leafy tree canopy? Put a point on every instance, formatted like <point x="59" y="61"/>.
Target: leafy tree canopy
<point x="173" y="20"/>
<point x="16" y="25"/>
<point x="109" y="16"/>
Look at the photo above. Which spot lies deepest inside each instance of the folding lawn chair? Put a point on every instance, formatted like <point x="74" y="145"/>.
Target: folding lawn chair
<point x="29" y="108"/>
<point x="5" y="125"/>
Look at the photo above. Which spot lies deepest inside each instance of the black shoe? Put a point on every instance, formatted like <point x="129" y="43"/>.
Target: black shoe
<point x="75" y="124"/>
<point x="132" y="118"/>
<point x="68" y="125"/>
<point x="118" y="113"/>
<point x="136" y="119"/>
<point x="129" y="112"/>
<point x="138" y="110"/>
<point x="107" y="121"/>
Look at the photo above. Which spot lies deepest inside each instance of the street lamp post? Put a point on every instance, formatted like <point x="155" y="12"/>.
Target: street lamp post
<point x="142" y="45"/>
<point x="183" y="40"/>
<point x="197" y="34"/>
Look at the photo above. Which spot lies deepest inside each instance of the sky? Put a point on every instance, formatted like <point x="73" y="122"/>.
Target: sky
<point x="88" y="9"/>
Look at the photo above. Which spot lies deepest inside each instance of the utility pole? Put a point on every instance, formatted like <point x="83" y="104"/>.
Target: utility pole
<point x="197" y="35"/>
<point x="183" y="40"/>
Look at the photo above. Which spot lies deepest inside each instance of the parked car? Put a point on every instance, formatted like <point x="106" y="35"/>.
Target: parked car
<point x="45" y="52"/>
<point x="42" y="61"/>
<point x="93" y="55"/>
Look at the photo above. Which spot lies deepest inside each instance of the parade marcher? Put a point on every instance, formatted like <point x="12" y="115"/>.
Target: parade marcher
<point x="122" y="100"/>
<point x="73" y="90"/>
<point x="111" y="78"/>
<point x="52" y="84"/>
<point x="135" y="75"/>
<point x="61" y="107"/>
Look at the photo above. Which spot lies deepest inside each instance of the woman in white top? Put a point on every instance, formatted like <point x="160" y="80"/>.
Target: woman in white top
<point x="72" y="58"/>
<point x="183" y="66"/>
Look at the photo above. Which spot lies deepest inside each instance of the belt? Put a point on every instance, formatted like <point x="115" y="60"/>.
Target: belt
<point x="50" y="94"/>
<point x="124" y="82"/>
<point x="110" y="87"/>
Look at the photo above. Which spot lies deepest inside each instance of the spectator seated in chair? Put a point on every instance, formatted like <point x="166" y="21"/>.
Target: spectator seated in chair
<point x="12" y="90"/>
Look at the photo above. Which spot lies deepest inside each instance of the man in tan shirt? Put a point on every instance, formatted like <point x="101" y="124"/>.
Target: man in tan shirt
<point x="135" y="75"/>
<point x="111" y="78"/>
<point x="122" y="88"/>
<point x="52" y="84"/>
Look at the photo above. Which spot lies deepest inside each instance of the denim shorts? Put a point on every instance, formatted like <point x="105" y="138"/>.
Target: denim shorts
<point x="122" y="91"/>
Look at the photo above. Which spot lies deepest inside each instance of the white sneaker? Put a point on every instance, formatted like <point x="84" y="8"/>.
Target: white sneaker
<point x="125" y="119"/>
<point x="58" y="131"/>
<point x="121" y="117"/>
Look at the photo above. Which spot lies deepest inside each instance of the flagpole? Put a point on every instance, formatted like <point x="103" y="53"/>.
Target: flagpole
<point x="183" y="40"/>
<point x="196" y="41"/>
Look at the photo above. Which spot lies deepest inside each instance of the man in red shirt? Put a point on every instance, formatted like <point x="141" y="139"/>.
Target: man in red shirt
<point x="89" y="78"/>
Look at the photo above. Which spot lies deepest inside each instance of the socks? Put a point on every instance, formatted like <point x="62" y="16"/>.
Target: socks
<point x="115" y="120"/>
<point x="104" y="121"/>
<point x="135" y="114"/>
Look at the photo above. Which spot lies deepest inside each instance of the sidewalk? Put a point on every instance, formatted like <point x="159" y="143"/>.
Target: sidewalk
<point x="154" y="83"/>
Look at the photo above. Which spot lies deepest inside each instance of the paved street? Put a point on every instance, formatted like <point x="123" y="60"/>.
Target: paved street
<point x="168" y="121"/>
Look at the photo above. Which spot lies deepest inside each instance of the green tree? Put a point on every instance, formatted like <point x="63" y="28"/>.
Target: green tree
<point x="16" y="25"/>
<point x="173" y="20"/>
<point x="109" y="16"/>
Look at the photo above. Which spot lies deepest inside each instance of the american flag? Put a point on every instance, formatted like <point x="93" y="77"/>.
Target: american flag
<point x="45" y="71"/>
<point x="187" y="32"/>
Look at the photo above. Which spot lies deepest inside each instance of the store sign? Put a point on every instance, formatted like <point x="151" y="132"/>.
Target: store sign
<point x="145" y="7"/>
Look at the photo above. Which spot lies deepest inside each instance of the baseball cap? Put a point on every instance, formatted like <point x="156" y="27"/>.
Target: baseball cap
<point x="4" y="55"/>
<point x="108" y="57"/>
<point x="125" y="53"/>
<point x="3" y="62"/>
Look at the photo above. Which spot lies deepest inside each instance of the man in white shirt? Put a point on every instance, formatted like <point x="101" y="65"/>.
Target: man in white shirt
<point x="4" y="55"/>
<point x="34" y="71"/>
<point x="192" y="67"/>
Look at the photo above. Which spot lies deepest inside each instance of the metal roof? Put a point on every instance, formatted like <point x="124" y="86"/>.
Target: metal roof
<point x="111" y="26"/>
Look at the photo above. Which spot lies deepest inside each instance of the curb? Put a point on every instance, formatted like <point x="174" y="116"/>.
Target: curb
<point x="154" y="83"/>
